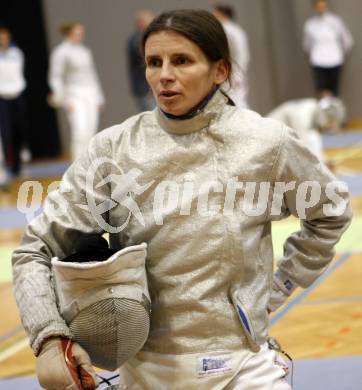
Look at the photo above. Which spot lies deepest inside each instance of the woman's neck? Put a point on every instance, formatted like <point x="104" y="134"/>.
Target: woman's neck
<point x="73" y="41"/>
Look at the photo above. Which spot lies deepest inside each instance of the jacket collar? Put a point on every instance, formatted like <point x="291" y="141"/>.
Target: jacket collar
<point x="200" y="120"/>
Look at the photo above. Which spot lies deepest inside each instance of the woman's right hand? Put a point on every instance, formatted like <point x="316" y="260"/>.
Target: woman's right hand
<point x="64" y="365"/>
<point x="52" y="102"/>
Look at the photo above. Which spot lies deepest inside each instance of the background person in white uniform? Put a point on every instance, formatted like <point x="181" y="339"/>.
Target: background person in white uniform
<point x="12" y="107"/>
<point x="327" y="40"/>
<point x="299" y="114"/>
<point x="310" y="117"/>
<point x="240" y="55"/>
<point x="75" y="86"/>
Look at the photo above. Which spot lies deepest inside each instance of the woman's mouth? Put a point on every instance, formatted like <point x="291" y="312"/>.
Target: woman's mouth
<point x="168" y="95"/>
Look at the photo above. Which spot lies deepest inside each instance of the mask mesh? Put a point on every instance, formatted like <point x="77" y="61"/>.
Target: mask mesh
<point x="111" y="331"/>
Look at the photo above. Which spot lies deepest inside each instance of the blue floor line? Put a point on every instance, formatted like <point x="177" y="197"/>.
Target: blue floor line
<point x="11" y="333"/>
<point x="12" y="218"/>
<point x="44" y="170"/>
<point x="354" y="183"/>
<point x="290" y="305"/>
<point x="333" y="301"/>
<point x="342" y="140"/>
<point x="337" y="373"/>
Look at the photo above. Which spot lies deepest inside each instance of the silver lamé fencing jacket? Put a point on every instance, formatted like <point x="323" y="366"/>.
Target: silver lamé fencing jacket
<point x="202" y="193"/>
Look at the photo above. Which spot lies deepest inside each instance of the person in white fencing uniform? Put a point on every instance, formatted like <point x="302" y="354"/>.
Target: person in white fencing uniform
<point x="310" y="117"/>
<point x="176" y="179"/>
<point x="12" y="107"/>
<point x="237" y="89"/>
<point x="327" y="40"/>
<point x="75" y="86"/>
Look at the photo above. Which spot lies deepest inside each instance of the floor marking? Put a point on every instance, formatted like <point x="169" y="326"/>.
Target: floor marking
<point x="345" y="330"/>
<point x="350" y="153"/>
<point x="356" y="316"/>
<point x="331" y="344"/>
<point x="332" y="301"/>
<point x="341" y="140"/>
<point x="13" y="218"/>
<point x="11" y="333"/>
<point x="41" y="170"/>
<point x="11" y="351"/>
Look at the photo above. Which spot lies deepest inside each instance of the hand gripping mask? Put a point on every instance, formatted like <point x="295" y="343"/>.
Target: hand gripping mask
<point x="103" y="296"/>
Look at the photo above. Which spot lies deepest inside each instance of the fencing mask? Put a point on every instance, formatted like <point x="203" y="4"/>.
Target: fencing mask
<point x="103" y="297"/>
<point x="330" y="114"/>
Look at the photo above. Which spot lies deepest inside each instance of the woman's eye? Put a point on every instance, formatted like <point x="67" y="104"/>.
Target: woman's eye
<point x="182" y="60"/>
<point x="153" y="62"/>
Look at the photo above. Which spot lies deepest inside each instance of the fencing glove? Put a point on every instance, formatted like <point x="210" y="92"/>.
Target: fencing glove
<point x="281" y="289"/>
<point x="64" y="365"/>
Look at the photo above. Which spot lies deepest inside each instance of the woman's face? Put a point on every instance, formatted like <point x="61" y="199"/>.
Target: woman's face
<point x="321" y="7"/>
<point x="179" y="73"/>
<point x="4" y="38"/>
<point x="76" y="34"/>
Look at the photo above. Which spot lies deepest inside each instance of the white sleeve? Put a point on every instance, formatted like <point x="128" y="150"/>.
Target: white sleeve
<point x="100" y="95"/>
<point x="345" y="36"/>
<point x="294" y="114"/>
<point x="21" y="60"/>
<point x="280" y="113"/>
<point x="56" y="74"/>
<point x="239" y="48"/>
<point x="243" y="52"/>
<point x="308" y="252"/>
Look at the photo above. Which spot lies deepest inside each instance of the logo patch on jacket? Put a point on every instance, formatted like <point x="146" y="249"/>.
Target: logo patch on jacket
<point x="214" y="365"/>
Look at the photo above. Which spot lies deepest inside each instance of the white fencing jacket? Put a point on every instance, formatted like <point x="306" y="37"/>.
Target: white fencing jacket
<point x="327" y="40"/>
<point x="72" y="70"/>
<point x="240" y="57"/>
<point x="12" y="81"/>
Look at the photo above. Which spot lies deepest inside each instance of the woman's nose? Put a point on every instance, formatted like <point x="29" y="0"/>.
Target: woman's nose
<point x="166" y="73"/>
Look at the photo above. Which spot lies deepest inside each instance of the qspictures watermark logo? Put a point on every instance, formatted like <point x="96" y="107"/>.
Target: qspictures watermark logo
<point x="124" y="190"/>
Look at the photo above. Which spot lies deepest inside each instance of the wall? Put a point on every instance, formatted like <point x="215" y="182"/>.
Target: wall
<point x="279" y="68"/>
